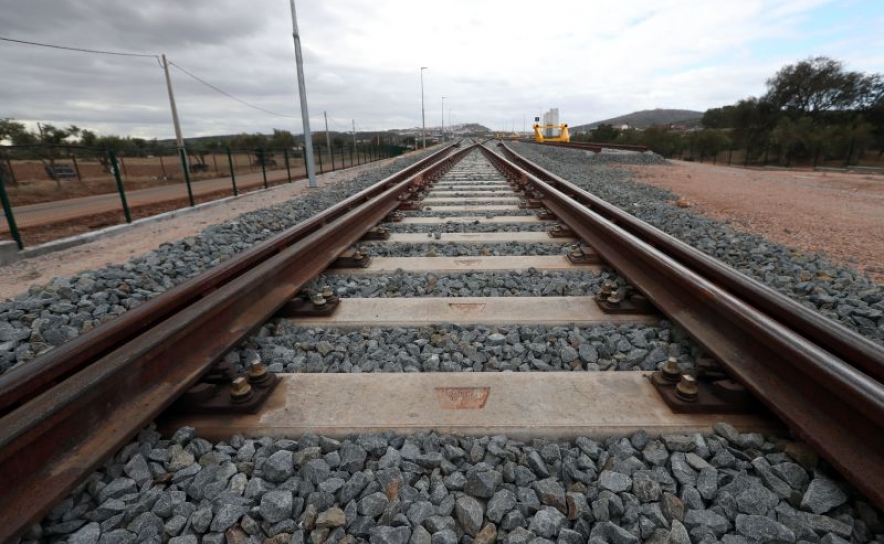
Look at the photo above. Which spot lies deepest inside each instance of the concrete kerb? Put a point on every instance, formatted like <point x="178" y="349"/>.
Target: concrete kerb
<point x="10" y="254"/>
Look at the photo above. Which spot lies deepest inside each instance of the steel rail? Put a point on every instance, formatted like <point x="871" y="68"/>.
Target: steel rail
<point x="826" y="400"/>
<point x="26" y="381"/>
<point x="55" y="439"/>
<point x="834" y="337"/>
<point x="592" y="146"/>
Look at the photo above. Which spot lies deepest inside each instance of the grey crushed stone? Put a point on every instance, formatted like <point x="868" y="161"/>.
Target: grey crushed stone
<point x="839" y="293"/>
<point x="527" y="283"/>
<point x="423" y="494"/>
<point x="47" y="315"/>
<point x="472" y="226"/>
<point x="286" y="347"/>
<point x="453" y="249"/>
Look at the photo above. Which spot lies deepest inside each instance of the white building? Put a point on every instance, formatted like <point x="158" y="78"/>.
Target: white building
<point x="551" y="118"/>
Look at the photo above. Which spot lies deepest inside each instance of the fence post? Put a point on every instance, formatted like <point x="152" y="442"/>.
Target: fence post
<point x="288" y="165"/>
<point x="115" y="167"/>
<point x="10" y="218"/>
<point x="232" y="172"/>
<point x="76" y="167"/>
<point x="816" y="156"/>
<point x="730" y="151"/>
<point x="182" y="155"/>
<point x="319" y="156"/>
<point x="11" y="171"/>
<point x="331" y="152"/>
<point x="351" y="157"/>
<point x="263" y="157"/>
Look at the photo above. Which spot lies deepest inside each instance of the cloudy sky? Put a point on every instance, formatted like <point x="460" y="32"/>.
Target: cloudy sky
<point x="497" y="62"/>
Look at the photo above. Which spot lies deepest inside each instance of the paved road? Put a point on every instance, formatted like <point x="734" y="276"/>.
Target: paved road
<point x="66" y="210"/>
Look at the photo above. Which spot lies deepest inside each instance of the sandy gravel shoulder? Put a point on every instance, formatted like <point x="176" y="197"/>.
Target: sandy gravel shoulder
<point x="840" y="215"/>
<point x="16" y="278"/>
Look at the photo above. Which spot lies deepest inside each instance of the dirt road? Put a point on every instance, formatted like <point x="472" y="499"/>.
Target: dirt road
<point x="74" y="208"/>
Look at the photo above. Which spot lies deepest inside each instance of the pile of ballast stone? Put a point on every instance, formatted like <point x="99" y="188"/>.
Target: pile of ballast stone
<point x="430" y="489"/>
<point x="841" y="294"/>
<point x="48" y="315"/>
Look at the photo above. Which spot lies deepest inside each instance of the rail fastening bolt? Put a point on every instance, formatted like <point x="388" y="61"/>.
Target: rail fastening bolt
<point x="258" y="373"/>
<point x="318" y="300"/>
<point x="327" y="291"/>
<point x="240" y="390"/>
<point x="687" y="389"/>
<point x="671" y="371"/>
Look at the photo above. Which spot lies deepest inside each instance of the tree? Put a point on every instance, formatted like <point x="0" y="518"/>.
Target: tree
<point x="604" y="134"/>
<point x="719" y="117"/>
<point x="16" y="132"/>
<point x="282" y="139"/>
<point x="710" y="142"/>
<point x="818" y="85"/>
<point x="662" y="140"/>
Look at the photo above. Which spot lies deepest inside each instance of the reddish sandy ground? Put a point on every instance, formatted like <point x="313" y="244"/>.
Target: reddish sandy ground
<point x="837" y="214"/>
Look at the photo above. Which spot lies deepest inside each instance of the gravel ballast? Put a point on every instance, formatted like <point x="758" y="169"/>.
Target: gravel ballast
<point x="424" y="489"/>
<point x="429" y="489"/>
<point x="286" y="347"/>
<point x="472" y="226"/>
<point x="453" y="249"/>
<point x="527" y="283"/>
<point x="48" y="315"/>
<point x="841" y="294"/>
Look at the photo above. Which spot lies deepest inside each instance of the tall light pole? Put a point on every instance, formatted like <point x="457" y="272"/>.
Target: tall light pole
<point x="423" y="117"/>
<point x="443" y="119"/>
<point x="302" y="90"/>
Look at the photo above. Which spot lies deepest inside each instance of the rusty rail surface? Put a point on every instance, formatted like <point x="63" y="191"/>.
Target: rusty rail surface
<point x="592" y="146"/>
<point x="26" y="381"/>
<point x="56" y="435"/>
<point x="822" y="379"/>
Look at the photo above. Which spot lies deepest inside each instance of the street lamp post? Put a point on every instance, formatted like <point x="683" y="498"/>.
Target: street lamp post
<point x="423" y="117"/>
<point x="443" y="119"/>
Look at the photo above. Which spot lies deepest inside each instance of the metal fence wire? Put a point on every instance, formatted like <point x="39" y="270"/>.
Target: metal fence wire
<point x="34" y="175"/>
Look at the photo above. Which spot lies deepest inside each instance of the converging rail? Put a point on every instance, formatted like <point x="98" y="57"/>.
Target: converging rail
<point x="65" y="412"/>
<point x="822" y="379"/>
<point x="62" y="414"/>
<point x="596" y="147"/>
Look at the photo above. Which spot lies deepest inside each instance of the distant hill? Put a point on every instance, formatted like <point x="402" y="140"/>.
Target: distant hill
<point x="646" y="118"/>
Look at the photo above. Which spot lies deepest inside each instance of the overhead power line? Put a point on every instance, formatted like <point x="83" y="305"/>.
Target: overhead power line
<point x="157" y="57"/>
<point x="78" y="49"/>
<point x="228" y="95"/>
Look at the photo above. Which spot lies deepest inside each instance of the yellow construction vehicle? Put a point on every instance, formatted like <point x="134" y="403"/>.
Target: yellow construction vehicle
<point x="563" y="136"/>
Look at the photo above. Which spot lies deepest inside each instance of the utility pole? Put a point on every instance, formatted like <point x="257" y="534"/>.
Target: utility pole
<point x="443" y="119"/>
<point x="327" y="137"/>
<point x="302" y="91"/>
<point x="179" y="140"/>
<point x="423" y="117"/>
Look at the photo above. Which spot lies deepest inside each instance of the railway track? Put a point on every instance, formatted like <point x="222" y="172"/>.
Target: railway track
<point x="66" y="412"/>
<point x="598" y="147"/>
